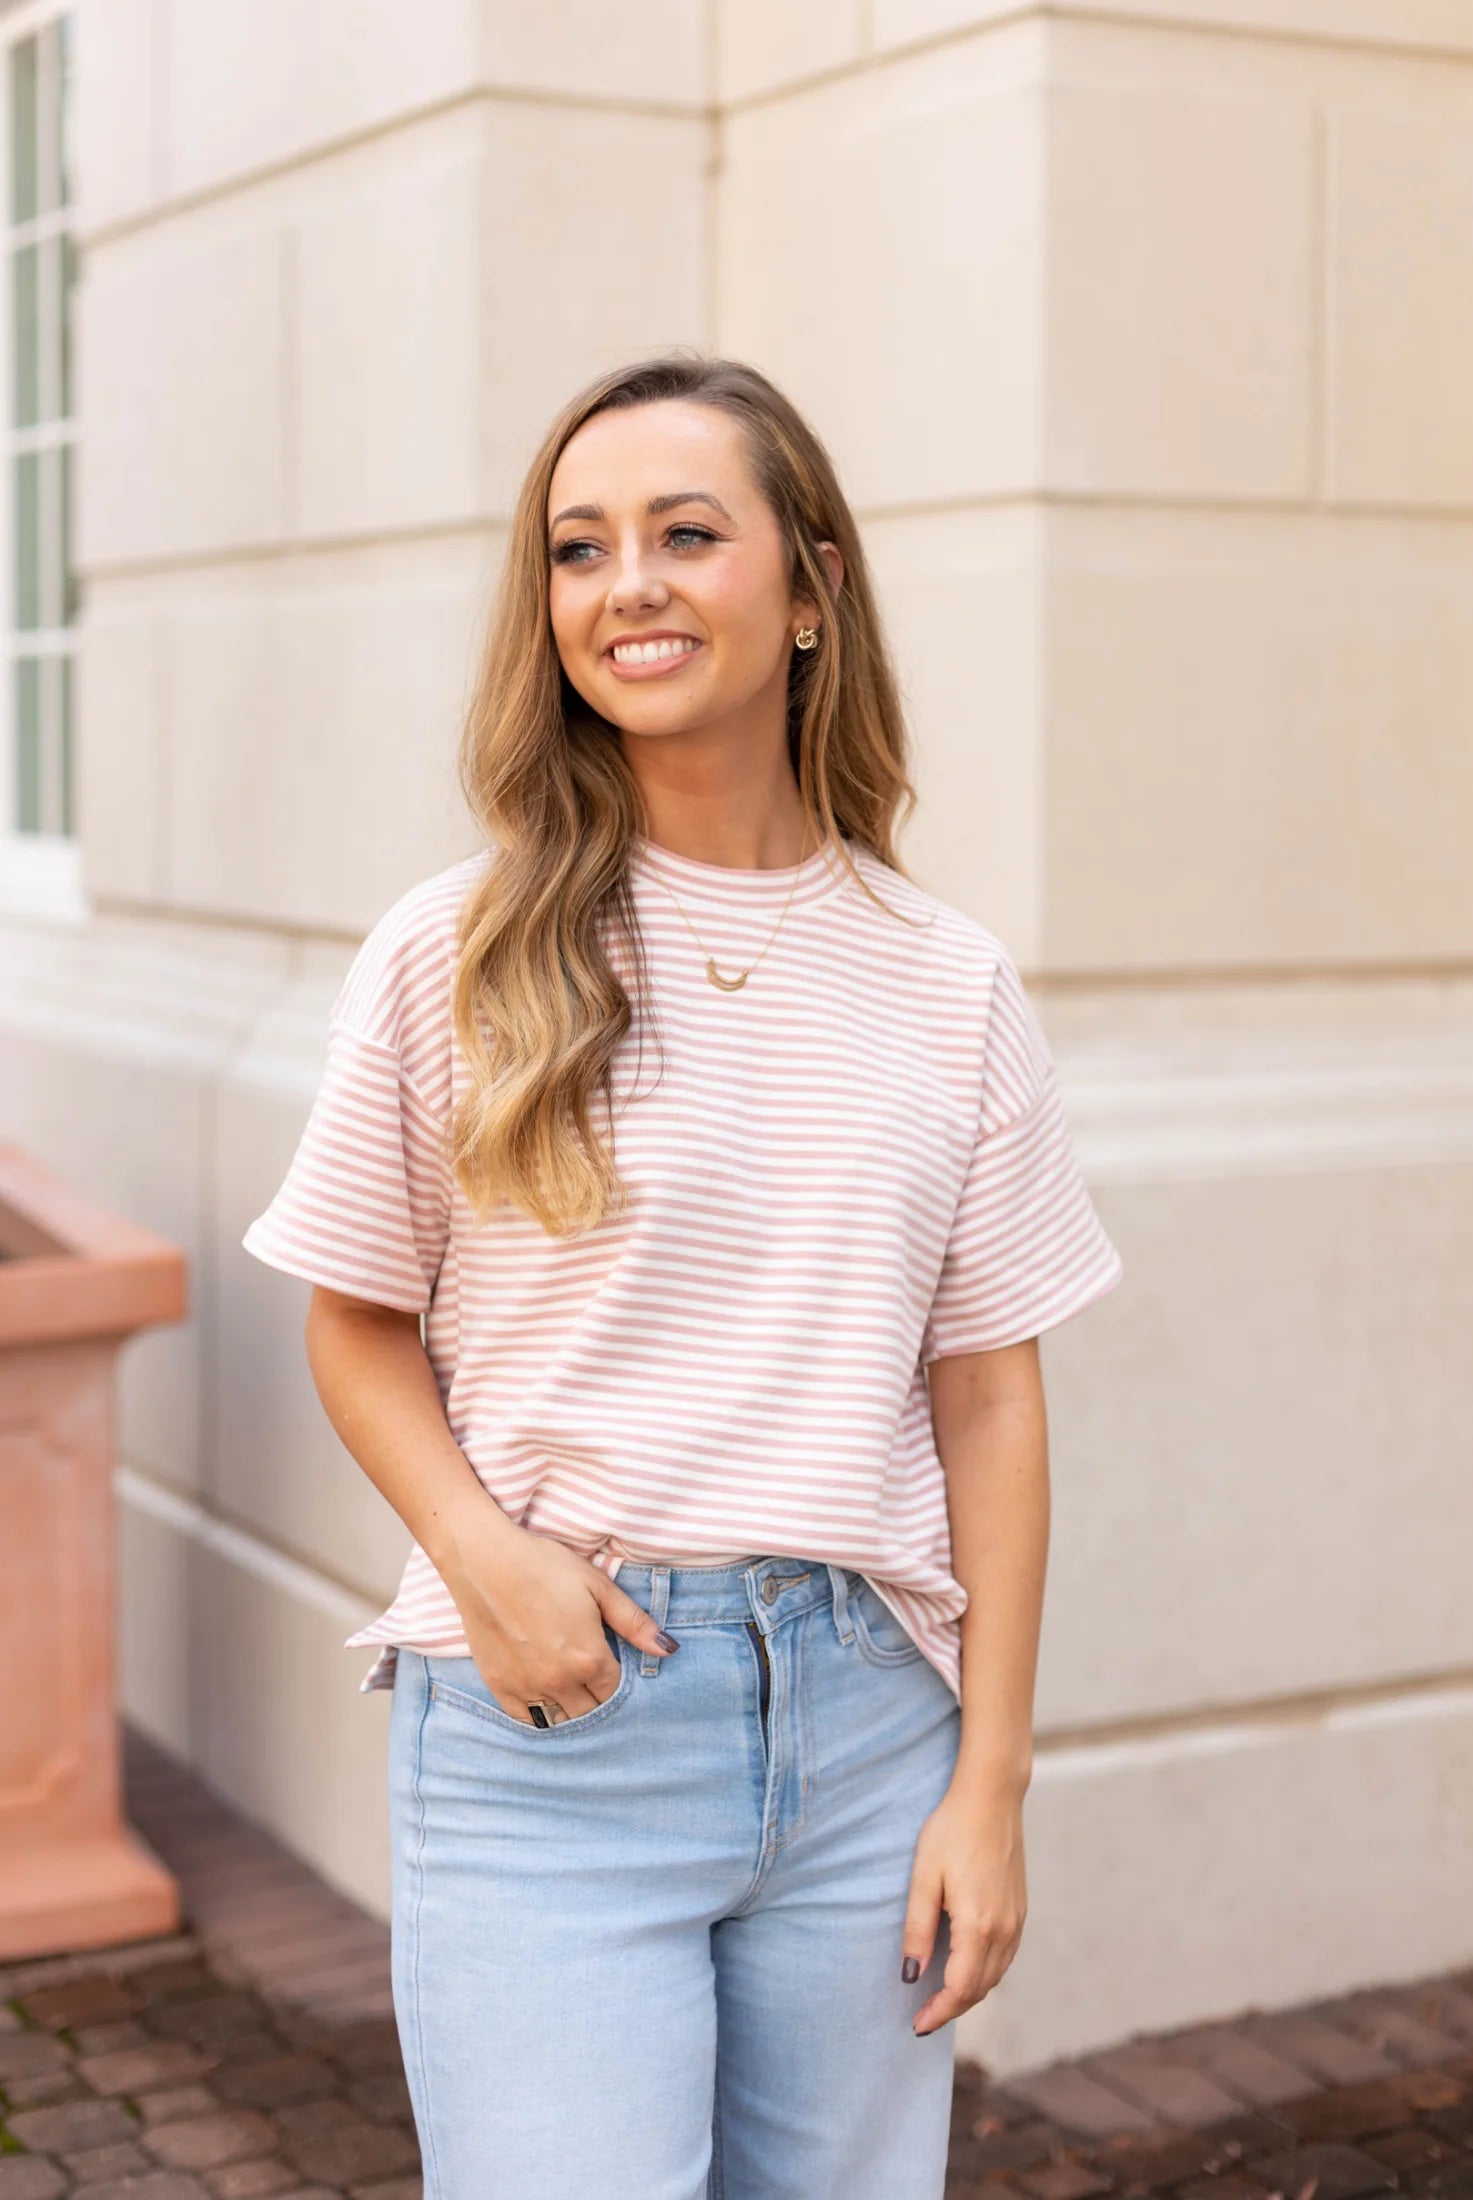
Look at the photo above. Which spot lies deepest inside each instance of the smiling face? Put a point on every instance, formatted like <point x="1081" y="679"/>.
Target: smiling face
<point x="670" y="601"/>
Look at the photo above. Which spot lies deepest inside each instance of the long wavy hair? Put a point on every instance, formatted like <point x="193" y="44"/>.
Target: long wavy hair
<point x="538" y="1006"/>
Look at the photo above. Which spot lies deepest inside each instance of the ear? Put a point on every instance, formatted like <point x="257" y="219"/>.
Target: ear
<point x="834" y="565"/>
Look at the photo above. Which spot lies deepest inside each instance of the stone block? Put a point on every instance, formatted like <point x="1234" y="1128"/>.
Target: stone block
<point x="386" y="364"/>
<point x="1181" y="263"/>
<point x="897" y="293"/>
<point x="1399" y="424"/>
<point x="183" y="392"/>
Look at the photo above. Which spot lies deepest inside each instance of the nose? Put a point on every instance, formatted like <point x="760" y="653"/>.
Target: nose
<point x="634" y="584"/>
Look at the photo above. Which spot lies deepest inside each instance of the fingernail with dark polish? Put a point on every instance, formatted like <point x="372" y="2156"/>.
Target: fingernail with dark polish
<point x="910" y="1970"/>
<point x="666" y="1642"/>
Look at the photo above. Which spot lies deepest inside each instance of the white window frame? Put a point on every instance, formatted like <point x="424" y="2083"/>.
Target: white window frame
<point x="40" y="873"/>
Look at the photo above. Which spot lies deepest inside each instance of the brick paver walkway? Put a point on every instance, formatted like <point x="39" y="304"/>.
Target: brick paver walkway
<point x="255" y="2055"/>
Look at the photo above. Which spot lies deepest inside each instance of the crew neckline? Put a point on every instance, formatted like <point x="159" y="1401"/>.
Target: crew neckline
<point x="816" y="875"/>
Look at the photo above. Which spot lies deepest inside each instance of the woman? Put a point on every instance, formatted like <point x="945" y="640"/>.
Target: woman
<point x="727" y="1170"/>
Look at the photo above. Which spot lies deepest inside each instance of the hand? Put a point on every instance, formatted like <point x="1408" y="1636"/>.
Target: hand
<point x="534" y="1613"/>
<point x="969" y="1862"/>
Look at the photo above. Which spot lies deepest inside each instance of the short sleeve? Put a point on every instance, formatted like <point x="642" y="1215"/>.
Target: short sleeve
<point x="1026" y="1247"/>
<point x="364" y="1207"/>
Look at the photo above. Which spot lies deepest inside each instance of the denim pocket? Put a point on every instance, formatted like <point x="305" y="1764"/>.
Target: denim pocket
<point x="457" y="1683"/>
<point x="879" y="1634"/>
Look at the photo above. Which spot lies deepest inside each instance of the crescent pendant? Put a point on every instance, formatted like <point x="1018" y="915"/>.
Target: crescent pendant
<point x="727" y="985"/>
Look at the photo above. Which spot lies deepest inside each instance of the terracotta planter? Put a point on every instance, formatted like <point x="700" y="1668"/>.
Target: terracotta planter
<point x="75" y="1281"/>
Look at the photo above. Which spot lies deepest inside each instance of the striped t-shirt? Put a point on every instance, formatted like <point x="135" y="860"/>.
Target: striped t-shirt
<point x="853" y="1165"/>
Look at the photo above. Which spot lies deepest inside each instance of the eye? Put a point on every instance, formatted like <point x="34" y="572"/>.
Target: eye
<point x="564" y="552"/>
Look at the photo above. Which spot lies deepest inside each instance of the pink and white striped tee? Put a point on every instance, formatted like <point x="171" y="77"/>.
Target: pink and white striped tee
<point x="854" y="1165"/>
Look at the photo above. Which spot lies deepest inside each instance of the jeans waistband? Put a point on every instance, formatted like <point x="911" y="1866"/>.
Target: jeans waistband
<point x="767" y="1589"/>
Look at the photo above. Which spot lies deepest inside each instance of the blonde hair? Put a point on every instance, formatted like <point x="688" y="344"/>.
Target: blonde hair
<point x="538" y="1008"/>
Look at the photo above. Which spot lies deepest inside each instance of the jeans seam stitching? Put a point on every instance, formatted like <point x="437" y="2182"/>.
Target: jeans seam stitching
<point x="875" y="1652"/>
<point x="419" y="1889"/>
<point x="718" y="2168"/>
<point x="444" y="1692"/>
<point x="803" y="1707"/>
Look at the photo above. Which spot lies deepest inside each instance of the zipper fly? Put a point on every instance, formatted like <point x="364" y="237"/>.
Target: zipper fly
<point x="756" y="1634"/>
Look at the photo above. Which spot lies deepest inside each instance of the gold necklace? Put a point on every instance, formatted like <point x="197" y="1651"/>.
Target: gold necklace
<point x="728" y="985"/>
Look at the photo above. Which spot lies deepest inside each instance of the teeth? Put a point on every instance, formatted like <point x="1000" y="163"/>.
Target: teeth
<point x="645" y="653"/>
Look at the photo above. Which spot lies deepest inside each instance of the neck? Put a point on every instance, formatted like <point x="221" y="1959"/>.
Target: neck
<point x="735" y="842"/>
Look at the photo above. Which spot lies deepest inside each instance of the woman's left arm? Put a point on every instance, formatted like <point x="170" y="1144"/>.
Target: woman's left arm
<point x="987" y="1409"/>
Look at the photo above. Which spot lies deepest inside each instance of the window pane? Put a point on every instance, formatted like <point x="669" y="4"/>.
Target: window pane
<point x="49" y="334"/>
<point x="23" y="194"/>
<point x="48" y="112"/>
<point x="45" y="590"/>
<point x="67" y="822"/>
<point x="27" y="745"/>
<point x="68" y="290"/>
<point x="70" y="589"/>
<point x="25" y="270"/>
<point x="52" y="544"/>
<point x="26" y="542"/>
<point x="51" y="715"/>
<point x="65" y="109"/>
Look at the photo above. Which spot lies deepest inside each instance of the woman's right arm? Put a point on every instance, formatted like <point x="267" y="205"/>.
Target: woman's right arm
<point x="530" y="1606"/>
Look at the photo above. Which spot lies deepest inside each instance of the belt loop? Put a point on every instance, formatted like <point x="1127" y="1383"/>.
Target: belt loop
<point x="650" y="1663"/>
<point x="841" y="1604"/>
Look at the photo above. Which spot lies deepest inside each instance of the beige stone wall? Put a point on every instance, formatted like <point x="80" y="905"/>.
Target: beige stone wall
<point x="339" y="264"/>
<point x="1143" y="339"/>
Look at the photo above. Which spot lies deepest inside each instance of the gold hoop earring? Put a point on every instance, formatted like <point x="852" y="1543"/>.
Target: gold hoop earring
<point x="807" y="637"/>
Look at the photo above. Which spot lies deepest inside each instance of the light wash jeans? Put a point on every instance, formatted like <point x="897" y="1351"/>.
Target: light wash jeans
<point x="653" y="1952"/>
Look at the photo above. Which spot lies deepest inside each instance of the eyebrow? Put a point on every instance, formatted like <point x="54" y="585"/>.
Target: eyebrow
<point x="656" y="504"/>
